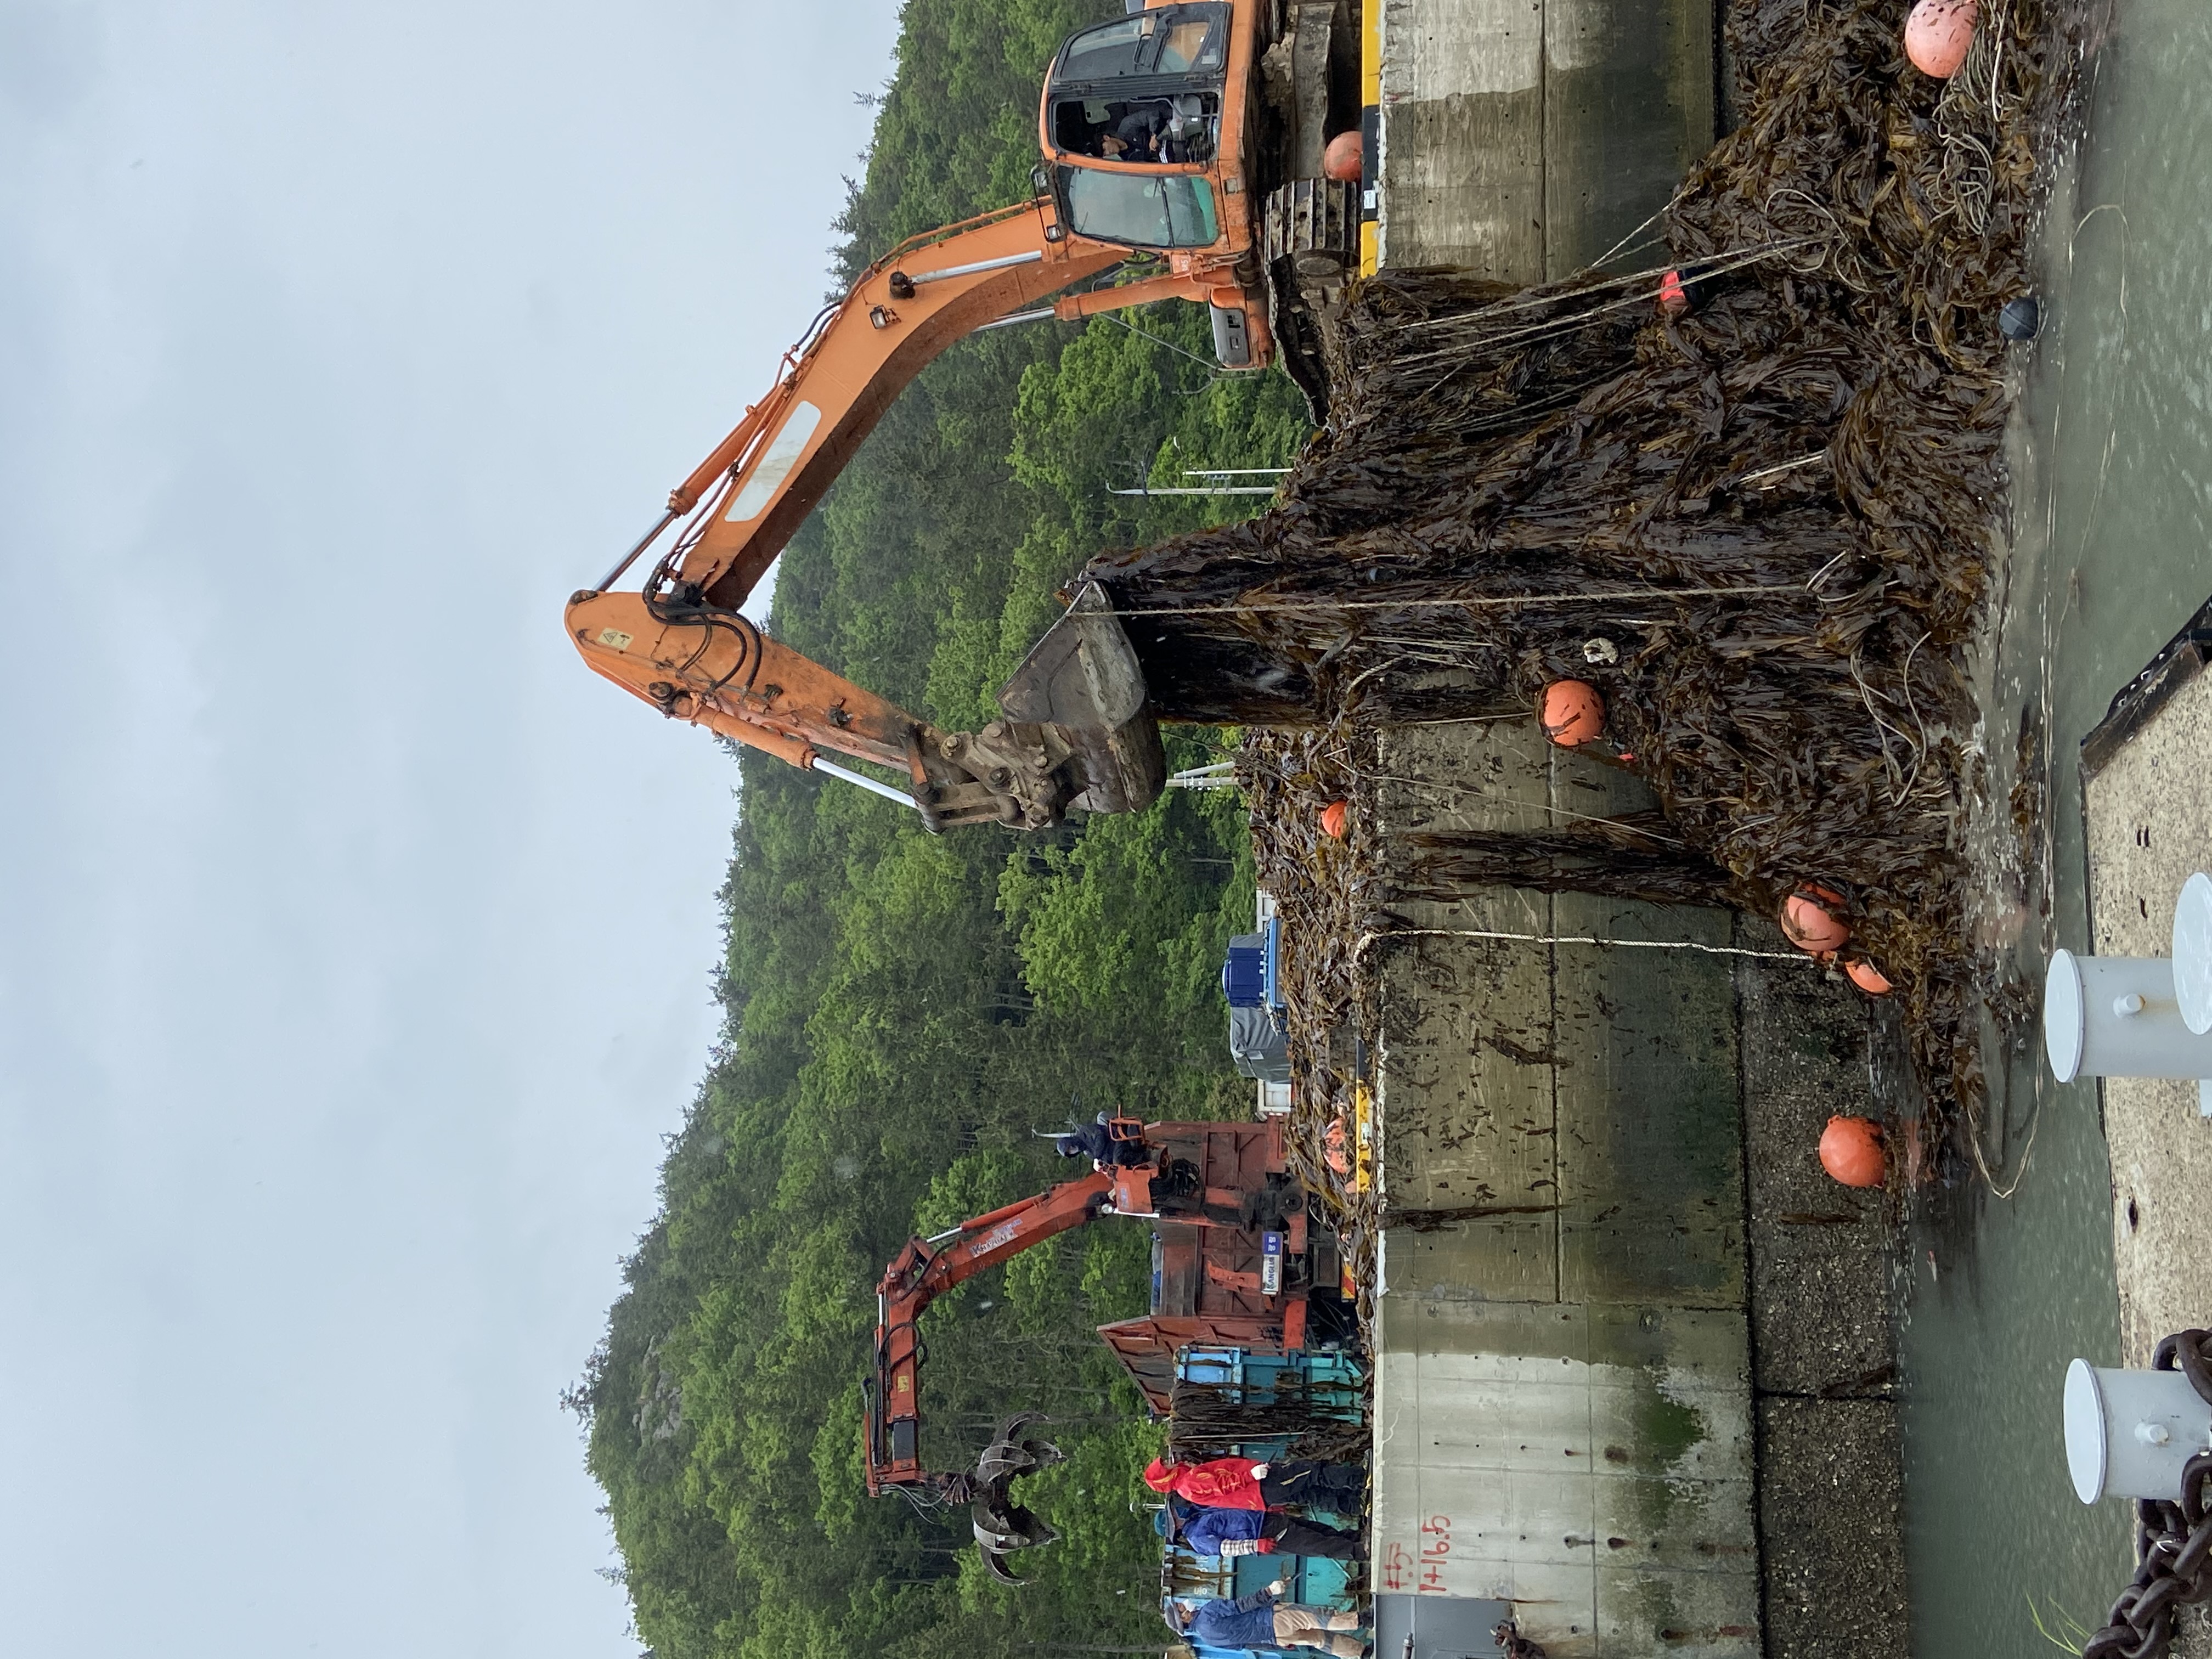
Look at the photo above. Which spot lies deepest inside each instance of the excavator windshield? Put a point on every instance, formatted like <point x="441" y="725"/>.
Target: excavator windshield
<point x="1139" y="210"/>
<point x="1166" y="41"/>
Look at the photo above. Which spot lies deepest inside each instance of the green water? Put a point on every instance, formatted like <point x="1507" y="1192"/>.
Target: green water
<point x="2112" y="504"/>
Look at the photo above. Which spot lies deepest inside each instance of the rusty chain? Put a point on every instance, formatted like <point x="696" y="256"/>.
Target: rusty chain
<point x="2173" y="1541"/>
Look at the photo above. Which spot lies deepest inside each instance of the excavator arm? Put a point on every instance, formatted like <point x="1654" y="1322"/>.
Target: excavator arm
<point x="1077" y="731"/>
<point x="925" y="1270"/>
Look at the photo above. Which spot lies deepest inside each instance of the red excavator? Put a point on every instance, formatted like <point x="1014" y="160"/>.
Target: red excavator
<point x="1147" y="126"/>
<point x="1235" y="1264"/>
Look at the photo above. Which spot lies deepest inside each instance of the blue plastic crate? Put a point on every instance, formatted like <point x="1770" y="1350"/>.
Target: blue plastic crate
<point x="1244" y="976"/>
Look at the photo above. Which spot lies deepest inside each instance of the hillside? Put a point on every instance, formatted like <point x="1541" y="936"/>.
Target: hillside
<point x="904" y="1010"/>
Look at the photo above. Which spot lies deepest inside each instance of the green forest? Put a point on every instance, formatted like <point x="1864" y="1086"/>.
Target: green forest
<point x="904" y="1010"/>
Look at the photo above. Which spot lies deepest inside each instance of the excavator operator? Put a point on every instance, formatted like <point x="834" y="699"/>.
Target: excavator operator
<point x="1178" y="1187"/>
<point x="1141" y="136"/>
<point x="1098" y="1142"/>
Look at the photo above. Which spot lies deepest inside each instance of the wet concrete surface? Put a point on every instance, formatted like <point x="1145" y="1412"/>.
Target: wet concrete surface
<point x="1824" y="1357"/>
<point x="1830" y="1500"/>
<point x="1559" y="1148"/>
<point x="2149" y="828"/>
<point x="2010" y="1274"/>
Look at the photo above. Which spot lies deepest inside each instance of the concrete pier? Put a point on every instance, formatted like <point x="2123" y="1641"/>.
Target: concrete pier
<point x="2148" y="792"/>
<point x="1520" y="139"/>
<point x="1635" y="1379"/>
<point x="1635" y="1369"/>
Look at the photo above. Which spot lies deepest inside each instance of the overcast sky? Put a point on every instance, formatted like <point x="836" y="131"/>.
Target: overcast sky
<point x="354" y="942"/>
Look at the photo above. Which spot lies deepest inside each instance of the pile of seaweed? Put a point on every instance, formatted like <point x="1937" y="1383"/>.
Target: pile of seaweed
<point x="1762" y="528"/>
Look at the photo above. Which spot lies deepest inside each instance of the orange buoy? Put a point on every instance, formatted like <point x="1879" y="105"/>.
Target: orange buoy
<point x="1868" y="977"/>
<point x="1809" y="918"/>
<point x="1573" y="713"/>
<point x="1343" y="160"/>
<point x="1333" y="817"/>
<point x="1674" y="297"/>
<point x="1851" y="1152"/>
<point x="1337" y="1148"/>
<point x="1937" y="35"/>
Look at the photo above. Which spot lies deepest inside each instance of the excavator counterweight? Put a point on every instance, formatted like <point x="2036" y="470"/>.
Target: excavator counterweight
<point x="1144" y="124"/>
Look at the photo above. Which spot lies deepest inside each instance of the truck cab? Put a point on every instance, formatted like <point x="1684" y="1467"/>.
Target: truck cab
<point x="1142" y="127"/>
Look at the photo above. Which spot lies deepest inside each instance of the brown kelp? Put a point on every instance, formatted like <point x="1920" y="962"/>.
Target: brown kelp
<point x="1763" y="527"/>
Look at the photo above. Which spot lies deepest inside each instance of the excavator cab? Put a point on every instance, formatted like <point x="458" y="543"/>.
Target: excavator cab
<point x="1134" y="118"/>
<point x="1147" y="90"/>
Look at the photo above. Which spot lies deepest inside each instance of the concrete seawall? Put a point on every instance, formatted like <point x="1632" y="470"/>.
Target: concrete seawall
<point x="1521" y="139"/>
<point x="1635" y="1369"/>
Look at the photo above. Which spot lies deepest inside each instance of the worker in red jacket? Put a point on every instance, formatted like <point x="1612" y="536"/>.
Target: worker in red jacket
<point x="1242" y="1483"/>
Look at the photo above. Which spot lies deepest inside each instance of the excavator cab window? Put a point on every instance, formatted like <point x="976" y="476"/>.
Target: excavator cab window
<point x="1169" y="40"/>
<point x="1138" y="209"/>
<point x="1175" y="129"/>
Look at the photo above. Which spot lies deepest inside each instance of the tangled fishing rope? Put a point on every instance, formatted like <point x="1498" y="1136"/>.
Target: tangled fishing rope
<point x="2173" y="1541"/>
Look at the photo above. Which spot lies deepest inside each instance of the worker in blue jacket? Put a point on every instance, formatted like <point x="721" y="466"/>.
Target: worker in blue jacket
<point x="1231" y="1533"/>
<point x="1261" y="1620"/>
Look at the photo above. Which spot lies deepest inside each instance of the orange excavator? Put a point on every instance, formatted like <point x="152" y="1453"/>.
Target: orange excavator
<point x="925" y="1270"/>
<point x="1147" y="125"/>
<point x="1238" y="1263"/>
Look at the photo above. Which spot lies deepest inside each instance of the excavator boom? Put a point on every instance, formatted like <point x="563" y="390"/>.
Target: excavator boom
<point x="1077" y="731"/>
<point x="925" y="1270"/>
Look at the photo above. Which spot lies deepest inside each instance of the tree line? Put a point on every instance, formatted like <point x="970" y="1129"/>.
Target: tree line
<point x="904" y="1010"/>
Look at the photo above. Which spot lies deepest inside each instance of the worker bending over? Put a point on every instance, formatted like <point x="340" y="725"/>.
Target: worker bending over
<point x="1260" y="1620"/>
<point x="1097" y="1142"/>
<point x="1244" y="1483"/>
<point x="1231" y="1533"/>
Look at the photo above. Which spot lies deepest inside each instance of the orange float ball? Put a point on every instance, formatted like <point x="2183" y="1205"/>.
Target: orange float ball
<point x="1868" y="977"/>
<point x="1937" y="35"/>
<point x="1573" y="713"/>
<point x="1333" y="817"/>
<point x="1337" y="1147"/>
<point x="1343" y="160"/>
<point x="1851" y="1152"/>
<point x="1809" y="918"/>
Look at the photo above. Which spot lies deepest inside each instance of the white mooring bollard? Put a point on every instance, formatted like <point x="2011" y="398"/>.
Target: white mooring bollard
<point x="2117" y="1016"/>
<point x="2192" y="952"/>
<point x="2129" y="1433"/>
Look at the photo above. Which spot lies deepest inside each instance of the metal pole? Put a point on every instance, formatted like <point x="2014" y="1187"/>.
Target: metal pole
<point x="1219" y="776"/>
<point x="1218" y="489"/>
<point x="1045" y="314"/>
<point x="630" y="557"/>
<point x="950" y="271"/>
<point x="866" y="783"/>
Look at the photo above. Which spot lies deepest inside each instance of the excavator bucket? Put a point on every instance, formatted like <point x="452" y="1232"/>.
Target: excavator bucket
<point x="1002" y="1526"/>
<point x="1084" y="677"/>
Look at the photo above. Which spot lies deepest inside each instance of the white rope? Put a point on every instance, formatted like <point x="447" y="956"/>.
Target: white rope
<point x="1477" y="602"/>
<point x="1368" y="938"/>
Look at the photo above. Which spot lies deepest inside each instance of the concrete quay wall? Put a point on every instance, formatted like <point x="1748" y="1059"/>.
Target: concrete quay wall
<point x="1521" y="139"/>
<point x="1635" y="1369"/>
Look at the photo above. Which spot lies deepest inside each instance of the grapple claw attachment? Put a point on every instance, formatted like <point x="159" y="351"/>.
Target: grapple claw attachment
<point x="1002" y="1526"/>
